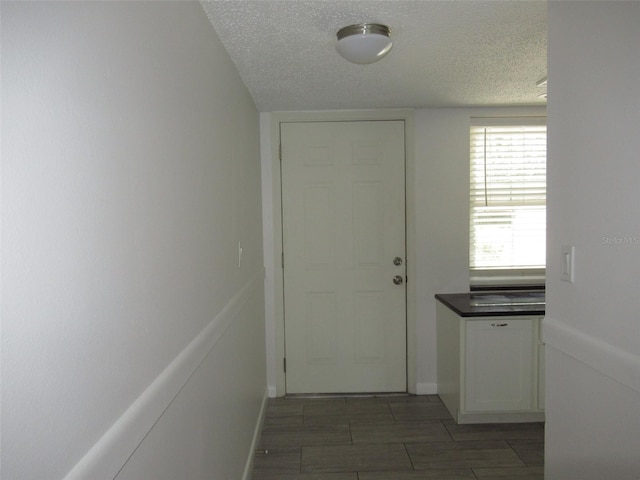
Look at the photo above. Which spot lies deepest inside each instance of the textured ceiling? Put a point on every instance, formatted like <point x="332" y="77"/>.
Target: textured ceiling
<point x="445" y="53"/>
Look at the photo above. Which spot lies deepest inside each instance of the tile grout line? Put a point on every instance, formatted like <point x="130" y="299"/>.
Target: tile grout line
<point x="517" y="454"/>
<point x="350" y="431"/>
<point x="304" y="422"/>
<point x="404" y="444"/>
<point x="448" y="432"/>
<point x="413" y="468"/>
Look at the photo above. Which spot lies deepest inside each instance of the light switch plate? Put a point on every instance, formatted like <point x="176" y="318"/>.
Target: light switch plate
<point x="568" y="260"/>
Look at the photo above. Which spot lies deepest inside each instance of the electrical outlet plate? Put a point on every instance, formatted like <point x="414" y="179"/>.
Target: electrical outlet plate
<point x="567" y="253"/>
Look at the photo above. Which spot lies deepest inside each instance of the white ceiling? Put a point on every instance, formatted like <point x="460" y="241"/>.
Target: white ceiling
<point x="446" y="53"/>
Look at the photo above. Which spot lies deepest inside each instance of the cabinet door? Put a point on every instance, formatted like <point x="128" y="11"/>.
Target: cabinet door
<point x="499" y="365"/>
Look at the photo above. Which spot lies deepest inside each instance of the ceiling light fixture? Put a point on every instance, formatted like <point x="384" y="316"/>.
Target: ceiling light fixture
<point x="364" y="43"/>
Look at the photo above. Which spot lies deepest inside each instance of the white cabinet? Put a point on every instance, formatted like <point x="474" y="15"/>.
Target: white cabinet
<point x="489" y="368"/>
<point x="499" y="364"/>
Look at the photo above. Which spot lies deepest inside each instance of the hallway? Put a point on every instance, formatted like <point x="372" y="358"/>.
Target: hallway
<point x="390" y="437"/>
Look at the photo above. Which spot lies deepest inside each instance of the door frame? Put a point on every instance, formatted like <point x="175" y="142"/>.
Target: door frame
<point x="272" y="218"/>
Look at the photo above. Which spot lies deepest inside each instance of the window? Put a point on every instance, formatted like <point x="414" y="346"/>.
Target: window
<point x="508" y="200"/>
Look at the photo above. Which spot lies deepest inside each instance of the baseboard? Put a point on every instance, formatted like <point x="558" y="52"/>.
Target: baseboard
<point x="256" y="438"/>
<point x="429" y="388"/>
<point x="272" y="391"/>
<point x="609" y="360"/>
<point x="108" y="455"/>
<point x="475" y="418"/>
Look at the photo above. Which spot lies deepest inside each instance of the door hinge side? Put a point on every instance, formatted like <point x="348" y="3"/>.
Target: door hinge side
<point x="284" y="364"/>
<point x="282" y="262"/>
<point x="280" y="152"/>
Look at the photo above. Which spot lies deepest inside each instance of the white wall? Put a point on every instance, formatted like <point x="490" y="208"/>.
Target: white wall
<point x="592" y="329"/>
<point x="132" y="339"/>
<point x="442" y="217"/>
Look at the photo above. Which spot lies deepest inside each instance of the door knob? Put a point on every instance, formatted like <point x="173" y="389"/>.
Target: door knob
<point x="398" y="280"/>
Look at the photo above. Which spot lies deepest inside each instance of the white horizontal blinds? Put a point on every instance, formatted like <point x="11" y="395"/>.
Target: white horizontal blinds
<point x="508" y="194"/>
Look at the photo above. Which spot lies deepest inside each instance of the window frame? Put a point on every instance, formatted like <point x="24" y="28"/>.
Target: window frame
<point x="501" y="276"/>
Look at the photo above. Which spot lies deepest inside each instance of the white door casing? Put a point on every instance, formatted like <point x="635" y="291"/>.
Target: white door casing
<point x="343" y="206"/>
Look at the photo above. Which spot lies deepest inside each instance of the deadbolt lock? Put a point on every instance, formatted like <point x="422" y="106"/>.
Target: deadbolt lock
<point x="397" y="261"/>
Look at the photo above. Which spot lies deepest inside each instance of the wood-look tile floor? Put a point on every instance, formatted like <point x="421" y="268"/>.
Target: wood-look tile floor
<point x="390" y="438"/>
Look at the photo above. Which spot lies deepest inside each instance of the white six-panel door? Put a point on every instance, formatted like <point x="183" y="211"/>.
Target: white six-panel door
<point x="343" y="201"/>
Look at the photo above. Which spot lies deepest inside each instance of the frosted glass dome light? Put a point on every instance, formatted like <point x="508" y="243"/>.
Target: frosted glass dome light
<point x="364" y="43"/>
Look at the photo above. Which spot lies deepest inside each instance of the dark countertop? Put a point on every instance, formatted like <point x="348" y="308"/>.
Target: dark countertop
<point x="494" y="304"/>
